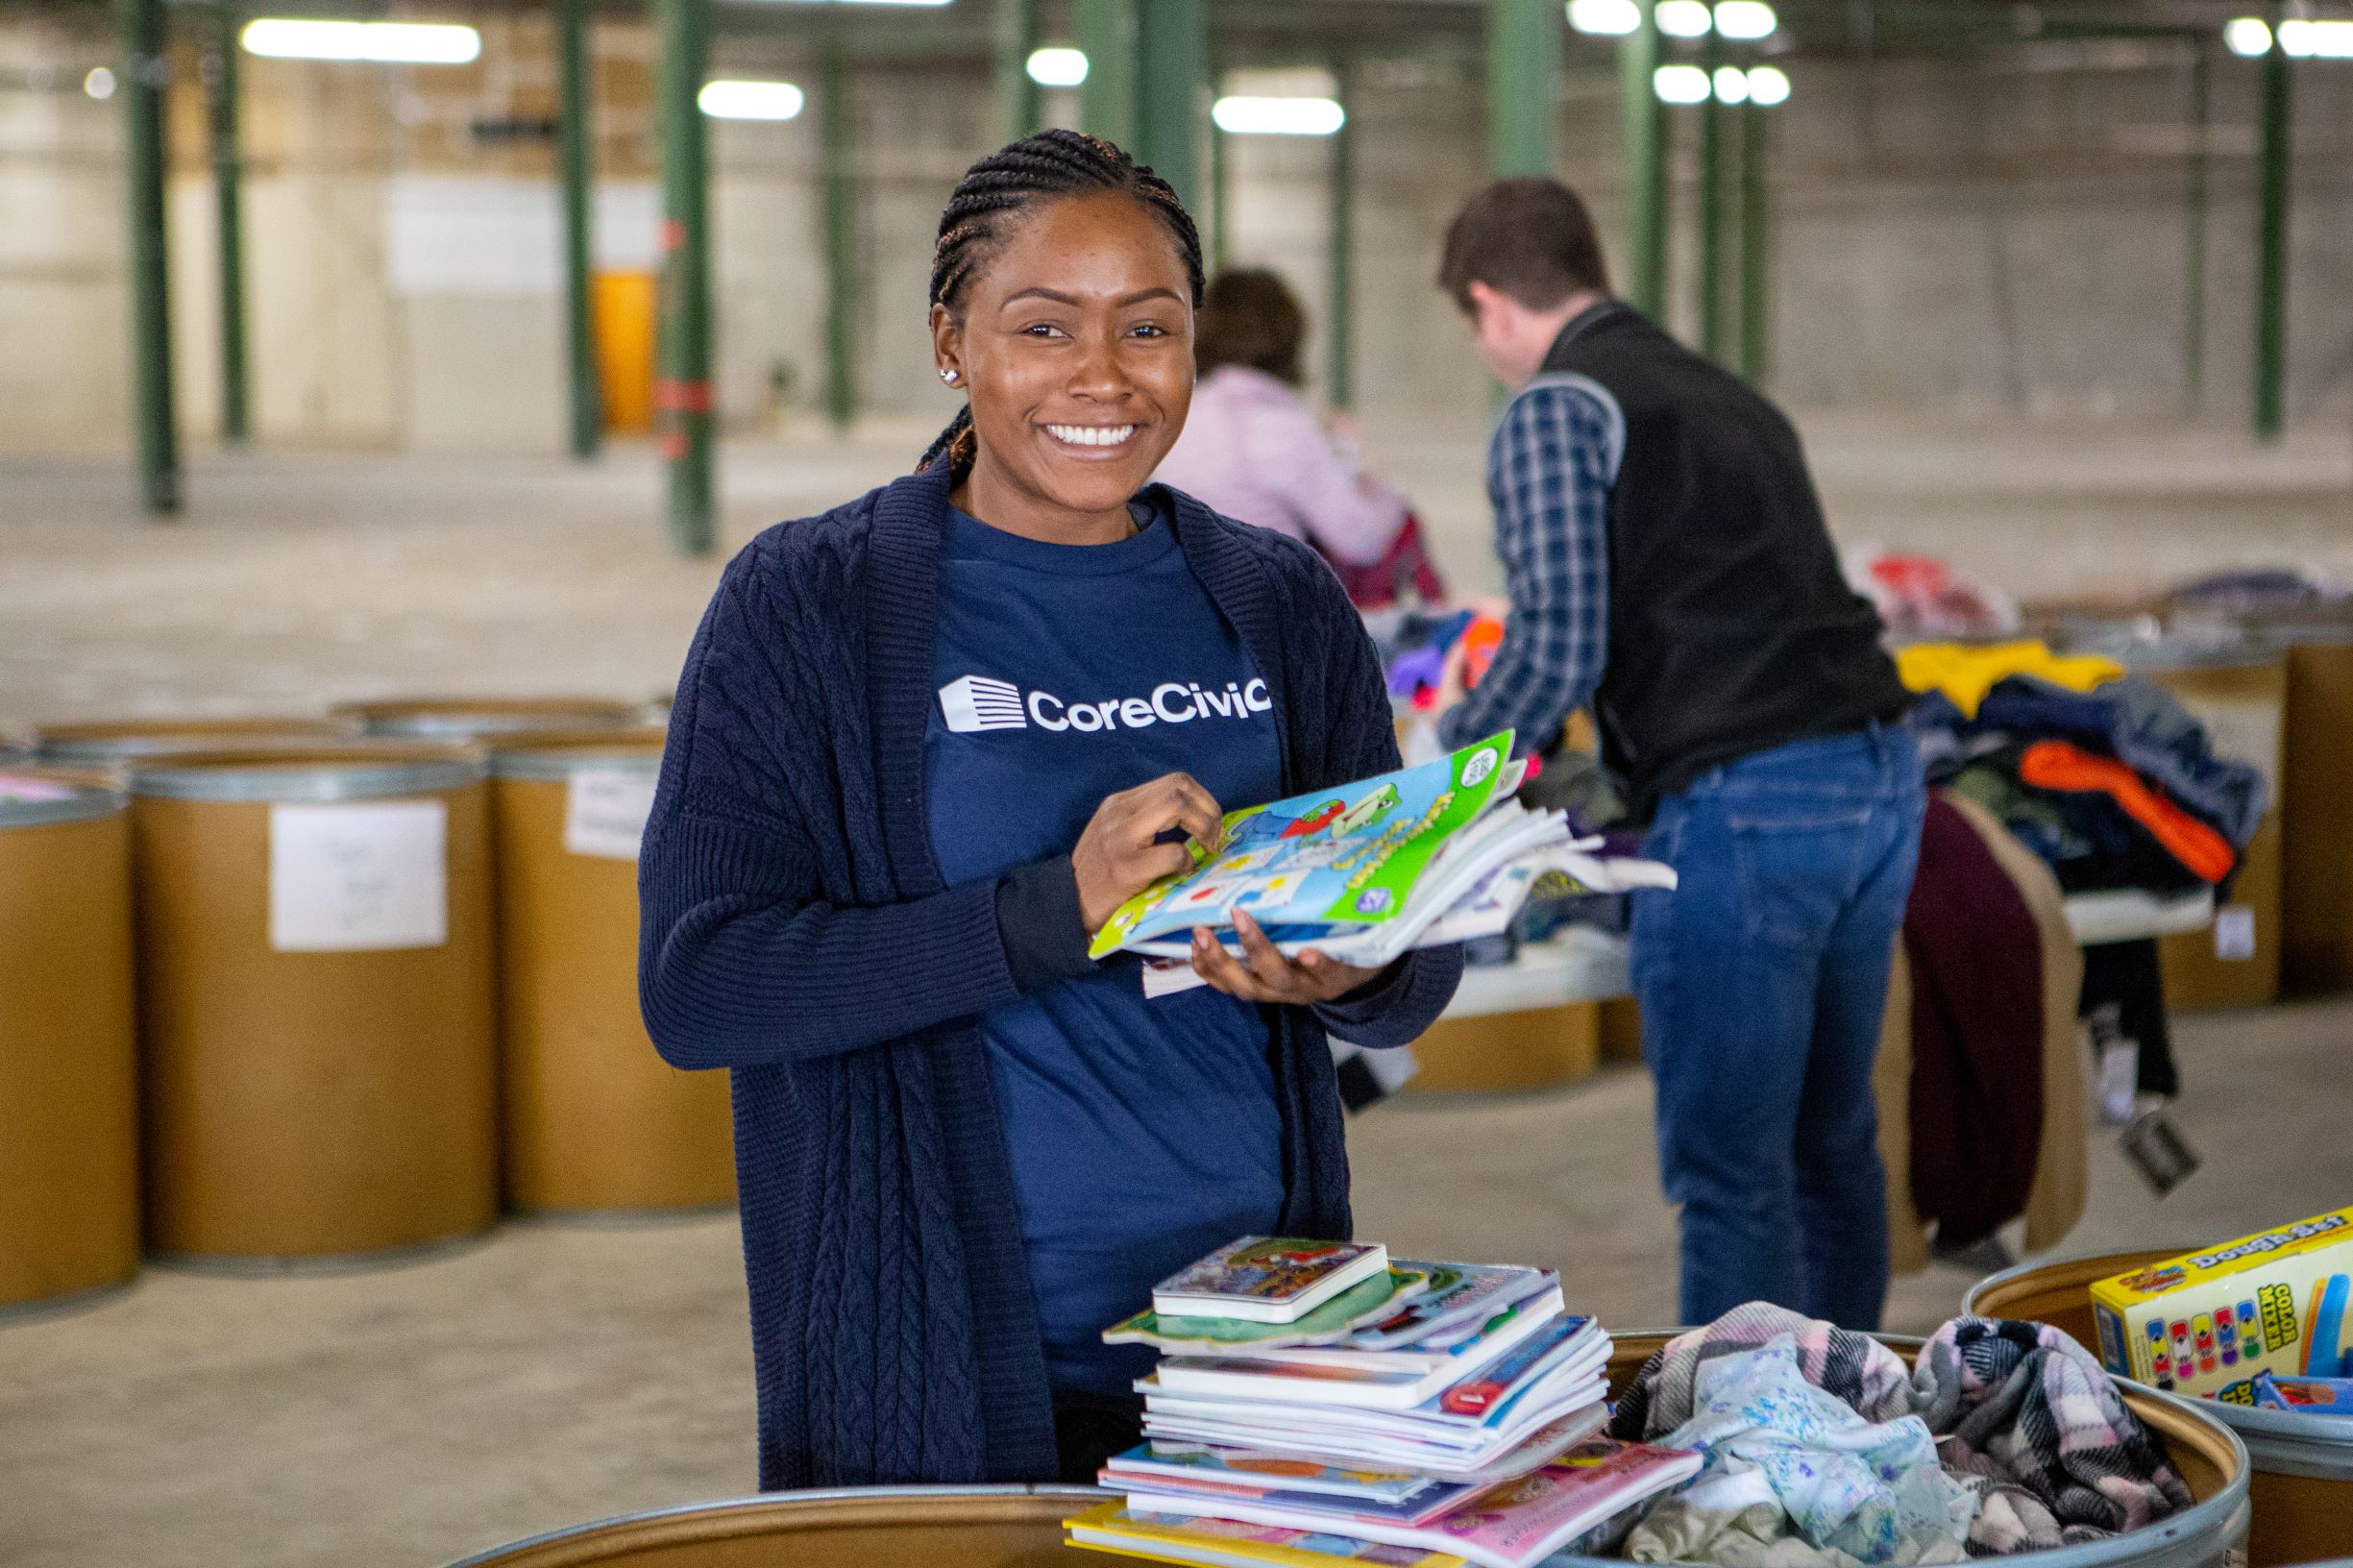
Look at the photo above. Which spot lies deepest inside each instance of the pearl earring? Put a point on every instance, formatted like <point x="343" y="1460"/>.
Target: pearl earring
<point x="948" y="375"/>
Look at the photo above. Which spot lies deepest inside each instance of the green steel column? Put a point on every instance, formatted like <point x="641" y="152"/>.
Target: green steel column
<point x="684" y="394"/>
<point x="2271" y="253"/>
<point x="228" y="221"/>
<point x="1645" y="135"/>
<point x="2193" y="290"/>
<point x="1107" y="98"/>
<point x="834" y="154"/>
<point x="575" y="145"/>
<point x="144" y="72"/>
<point x="1712" y="210"/>
<point x="1221" y="195"/>
<point x="1172" y="72"/>
<point x="1340" y="259"/>
<point x="1755" y="242"/>
<point x="1020" y="108"/>
<point x="1524" y="39"/>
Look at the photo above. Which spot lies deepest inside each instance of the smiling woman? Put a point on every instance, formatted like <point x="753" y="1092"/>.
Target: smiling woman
<point x="925" y="744"/>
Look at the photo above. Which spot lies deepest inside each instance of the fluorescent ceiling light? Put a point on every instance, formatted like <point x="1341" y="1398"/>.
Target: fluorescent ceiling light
<point x="1609" y="19"/>
<point x="1768" y="86"/>
<point x="382" y="43"/>
<point x="1681" y="84"/>
<point x="1684" y="19"/>
<point x="99" y="83"/>
<point x="2315" y="39"/>
<point x="1744" y="19"/>
<point x="1242" y="117"/>
<point x="1057" y="66"/>
<point x="1731" y="85"/>
<point x="734" y="100"/>
<point x="2246" y="36"/>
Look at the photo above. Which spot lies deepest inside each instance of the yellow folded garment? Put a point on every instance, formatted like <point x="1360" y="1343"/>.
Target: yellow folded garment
<point x="1965" y="671"/>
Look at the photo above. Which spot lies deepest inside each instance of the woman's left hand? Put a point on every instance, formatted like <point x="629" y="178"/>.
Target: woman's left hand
<point x="1264" y="975"/>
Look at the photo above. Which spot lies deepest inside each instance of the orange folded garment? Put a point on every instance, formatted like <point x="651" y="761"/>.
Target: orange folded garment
<point x="2055" y="765"/>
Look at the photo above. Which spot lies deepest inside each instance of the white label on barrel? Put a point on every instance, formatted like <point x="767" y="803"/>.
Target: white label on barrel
<point x="359" y="877"/>
<point x="606" y="811"/>
<point x="2234" y="933"/>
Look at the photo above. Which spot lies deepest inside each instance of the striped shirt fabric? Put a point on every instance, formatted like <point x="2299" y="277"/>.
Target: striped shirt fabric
<point x="1550" y="465"/>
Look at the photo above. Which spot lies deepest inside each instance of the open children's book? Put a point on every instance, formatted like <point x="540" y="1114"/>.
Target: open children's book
<point x="1422" y="857"/>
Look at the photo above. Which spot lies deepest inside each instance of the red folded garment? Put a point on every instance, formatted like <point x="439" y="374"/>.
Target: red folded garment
<point x="2055" y="765"/>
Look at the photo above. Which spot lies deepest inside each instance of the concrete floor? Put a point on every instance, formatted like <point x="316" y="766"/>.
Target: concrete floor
<point x="549" y="1375"/>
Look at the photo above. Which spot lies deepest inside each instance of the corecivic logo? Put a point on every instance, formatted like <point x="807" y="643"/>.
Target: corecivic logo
<point x="975" y="703"/>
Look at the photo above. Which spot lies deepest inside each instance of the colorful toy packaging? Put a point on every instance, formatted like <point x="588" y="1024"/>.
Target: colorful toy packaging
<point x="2206" y="1324"/>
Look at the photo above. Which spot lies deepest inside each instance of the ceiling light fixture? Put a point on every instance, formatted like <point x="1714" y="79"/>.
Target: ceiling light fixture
<point x="1684" y="19"/>
<point x="1768" y="86"/>
<point x="1682" y="85"/>
<point x="730" y="99"/>
<point x="1605" y="18"/>
<point x="1245" y="116"/>
<point x="1058" y="66"/>
<point x="1745" y="20"/>
<point x="379" y="44"/>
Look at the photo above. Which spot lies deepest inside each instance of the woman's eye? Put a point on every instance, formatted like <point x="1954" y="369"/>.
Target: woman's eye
<point x="1146" y="328"/>
<point x="1042" y="329"/>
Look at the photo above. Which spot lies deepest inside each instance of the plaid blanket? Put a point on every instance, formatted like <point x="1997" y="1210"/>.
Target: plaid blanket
<point x="2020" y="1408"/>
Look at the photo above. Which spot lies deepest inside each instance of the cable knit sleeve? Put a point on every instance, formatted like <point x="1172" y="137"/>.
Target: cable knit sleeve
<point x="741" y="961"/>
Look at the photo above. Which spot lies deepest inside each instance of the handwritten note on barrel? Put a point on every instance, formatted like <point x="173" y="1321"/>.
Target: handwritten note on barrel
<point x="361" y="877"/>
<point x="606" y="811"/>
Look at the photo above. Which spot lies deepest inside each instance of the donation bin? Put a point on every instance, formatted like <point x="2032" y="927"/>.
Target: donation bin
<point x="111" y="742"/>
<point x="69" y="1194"/>
<point x="463" y="718"/>
<point x="594" y="1122"/>
<point x="317" y="1018"/>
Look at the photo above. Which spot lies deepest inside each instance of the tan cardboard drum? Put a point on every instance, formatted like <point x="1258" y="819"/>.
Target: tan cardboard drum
<point x="594" y="1122"/>
<point x="2237" y="961"/>
<point x="464" y="717"/>
<point x="1538" y="1048"/>
<point x="316" y="1010"/>
<point x="2317" y="837"/>
<point x="115" y="742"/>
<point x="2301" y="1476"/>
<point x="70" y="1195"/>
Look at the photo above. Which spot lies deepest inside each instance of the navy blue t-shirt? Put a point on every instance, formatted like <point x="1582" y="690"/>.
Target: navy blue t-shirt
<point x="1143" y="1133"/>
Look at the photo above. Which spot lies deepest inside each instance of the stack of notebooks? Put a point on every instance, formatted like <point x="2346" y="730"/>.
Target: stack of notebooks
<point x="1364" y="872"/>
<point x="1319" y="1400"/>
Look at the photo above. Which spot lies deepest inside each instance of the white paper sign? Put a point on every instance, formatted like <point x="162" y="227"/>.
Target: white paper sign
<point x="606" y="811"/>
<point x="359" y="877"/>
<point x="2234" y="933"/>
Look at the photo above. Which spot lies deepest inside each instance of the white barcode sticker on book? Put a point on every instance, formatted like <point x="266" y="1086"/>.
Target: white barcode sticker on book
<point x="2234" y="933"/>
<point x="606" y="811"/>
<point x="361" y="877"/>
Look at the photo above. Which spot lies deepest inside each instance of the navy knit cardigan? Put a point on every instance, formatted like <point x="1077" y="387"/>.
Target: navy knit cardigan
<point x="796" y="931"/>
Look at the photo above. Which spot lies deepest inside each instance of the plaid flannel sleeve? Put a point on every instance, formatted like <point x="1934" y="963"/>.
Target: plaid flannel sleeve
<point x="1550" y="469"/>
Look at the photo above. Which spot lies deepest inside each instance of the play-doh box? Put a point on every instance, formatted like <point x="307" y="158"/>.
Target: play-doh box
<point x="2205" y="1323"/>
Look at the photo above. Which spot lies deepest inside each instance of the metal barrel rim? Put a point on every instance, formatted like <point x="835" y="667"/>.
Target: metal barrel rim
<point x="87" y="802"/>
<point x="333" y="774"/>
<point x="459" y="718"/>
<point x="555" y="755"/>
<point x="1078" y="1496"/>
<point x="117" y="743"/>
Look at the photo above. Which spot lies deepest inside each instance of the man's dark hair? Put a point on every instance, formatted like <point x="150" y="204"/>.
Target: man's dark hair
<point x="994" y="195"/>
<point x="1530" y="239"/>
<point x="1250" y="318"/>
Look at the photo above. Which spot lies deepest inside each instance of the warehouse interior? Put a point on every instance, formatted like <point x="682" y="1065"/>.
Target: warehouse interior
<point x="446" y="370"/>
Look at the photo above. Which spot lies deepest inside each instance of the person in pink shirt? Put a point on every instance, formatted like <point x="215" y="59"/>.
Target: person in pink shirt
<point x="1254" y="452"/>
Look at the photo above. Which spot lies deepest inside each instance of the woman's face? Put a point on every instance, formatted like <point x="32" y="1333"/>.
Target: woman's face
<point x="1076" y="350"/>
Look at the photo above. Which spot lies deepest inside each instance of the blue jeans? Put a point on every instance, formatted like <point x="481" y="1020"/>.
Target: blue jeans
<point x="1763" y="980"/>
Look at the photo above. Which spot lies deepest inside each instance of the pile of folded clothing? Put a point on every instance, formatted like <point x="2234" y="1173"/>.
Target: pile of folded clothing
<point x="1428" y="1414"/>
<point x="2103" y="775"/>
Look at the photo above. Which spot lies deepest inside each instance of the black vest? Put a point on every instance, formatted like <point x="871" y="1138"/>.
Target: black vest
<point x="1732" y="629"/>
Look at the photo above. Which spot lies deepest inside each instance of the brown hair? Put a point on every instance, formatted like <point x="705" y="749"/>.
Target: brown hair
<point x="1530" y="239"/>
<point x="1250" y="317"/>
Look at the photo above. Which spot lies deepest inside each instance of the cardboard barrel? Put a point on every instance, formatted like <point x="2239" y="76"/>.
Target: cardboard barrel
<point x="69" y="1193"/>
<point x="113" y="743"/>
<point x="2236" y="963"/>
<point x="464" y="717"/>
<point x="594" y="1122"/>
<point x="316" y="1009"/>
<point x="2317" y="830"/>
<point x="2301" y="1479"/>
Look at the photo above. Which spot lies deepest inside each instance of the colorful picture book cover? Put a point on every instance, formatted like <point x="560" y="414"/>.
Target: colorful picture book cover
<point x="1267" y="1272"/>
<point x="1351" y="854"/>
<point x="1329" y="1323"/>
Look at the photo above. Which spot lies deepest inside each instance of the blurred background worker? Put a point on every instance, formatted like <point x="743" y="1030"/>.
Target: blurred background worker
<point x="1253" y="450"/>
<point x="1667" y="562"/>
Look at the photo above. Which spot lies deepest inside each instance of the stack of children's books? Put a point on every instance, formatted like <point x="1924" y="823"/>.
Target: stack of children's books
<point x="1363" y="873"/>
<point x="1320" y="1400"/>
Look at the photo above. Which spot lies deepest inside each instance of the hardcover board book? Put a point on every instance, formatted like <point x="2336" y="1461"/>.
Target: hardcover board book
<point x="1371" y="1382"/>
<point x="1367" y="1301"/>
<point x="1221" y="1543"/>
<point x="1264" y="1279"/>
<point x="2280" y="1301"/>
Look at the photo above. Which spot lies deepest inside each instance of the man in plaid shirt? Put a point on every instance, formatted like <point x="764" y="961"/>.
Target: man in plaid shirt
<point x="1669" y="568"/>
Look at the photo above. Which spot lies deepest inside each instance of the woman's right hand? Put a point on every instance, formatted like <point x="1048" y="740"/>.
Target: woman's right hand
<point x="1122" y="852"/>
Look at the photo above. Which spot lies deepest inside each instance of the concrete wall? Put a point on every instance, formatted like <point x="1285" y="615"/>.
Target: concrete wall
<point x="2003" y="233"/>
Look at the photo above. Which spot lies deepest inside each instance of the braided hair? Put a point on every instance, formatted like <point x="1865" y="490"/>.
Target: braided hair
<point x="994" y="191"/>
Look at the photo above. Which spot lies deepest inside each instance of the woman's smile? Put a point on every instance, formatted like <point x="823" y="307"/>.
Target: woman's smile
<point x="1092" y="439"/>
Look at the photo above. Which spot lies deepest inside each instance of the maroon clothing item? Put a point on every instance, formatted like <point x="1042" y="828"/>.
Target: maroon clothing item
<point x="1977" y="963"/>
